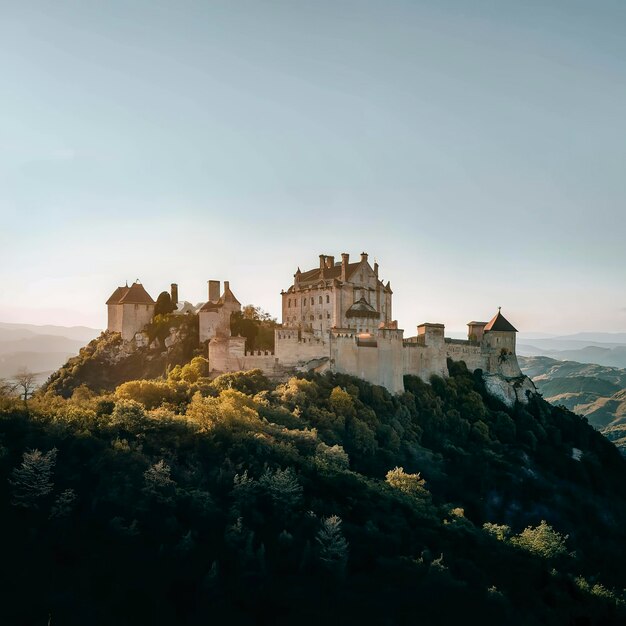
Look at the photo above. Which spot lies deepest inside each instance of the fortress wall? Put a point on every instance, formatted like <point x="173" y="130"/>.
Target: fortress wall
<point x="226" y="354"/>
<point x="267" y="363"/>
<point x="378" y="361"/>
<point x="472" y="354"/>
<point x="391" y="360"/>
<point x="424" y="361"/>
<point x="292" y="347"/>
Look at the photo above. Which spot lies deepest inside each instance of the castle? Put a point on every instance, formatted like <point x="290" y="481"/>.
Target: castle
<point x="338" y="317"/>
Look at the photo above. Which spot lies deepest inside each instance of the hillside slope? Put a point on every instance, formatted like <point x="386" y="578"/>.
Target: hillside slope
<point x="242" y="501"/>
<point x="594" y="391"/>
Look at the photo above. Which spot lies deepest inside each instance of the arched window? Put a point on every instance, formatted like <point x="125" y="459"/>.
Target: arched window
<point x="327" y="299"/>
<point x="320" y="300"/>
<point x="312" y="317"/>
<point x="312" y="300"/>
<point x="289" y="303"/>
<point x="320" y="317"/>
<point x="327" y="316"/>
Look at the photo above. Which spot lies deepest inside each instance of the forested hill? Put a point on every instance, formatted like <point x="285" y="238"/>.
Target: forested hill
<point x="320" y="500"/>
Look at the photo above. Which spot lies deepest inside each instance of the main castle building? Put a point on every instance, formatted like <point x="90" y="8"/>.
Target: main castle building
<point x="338" y="317"/>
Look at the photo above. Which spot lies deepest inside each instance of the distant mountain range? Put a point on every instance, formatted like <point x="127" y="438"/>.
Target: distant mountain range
<point x="607" y="349"/>
<point x="595" y="391"/>
<point x="41" y="349"/>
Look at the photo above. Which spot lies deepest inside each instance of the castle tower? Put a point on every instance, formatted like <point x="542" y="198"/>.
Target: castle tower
<point x="129" y="310"/>
<point x="499" y="339"/>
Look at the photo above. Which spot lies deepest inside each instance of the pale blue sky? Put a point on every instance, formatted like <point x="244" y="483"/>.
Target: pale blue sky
<point x="476" y="149"/>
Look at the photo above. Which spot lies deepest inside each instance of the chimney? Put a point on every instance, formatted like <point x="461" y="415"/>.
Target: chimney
<point x="345" y="258"/>
<point x="322" y="265"/>
<point x="330" y="262"/>
<point x="214" y="290"/>
<point x="363" y="256"/>
<point x="376" y="269"/>
<point x="226" y="286"/>
<point x="174" y="294"/>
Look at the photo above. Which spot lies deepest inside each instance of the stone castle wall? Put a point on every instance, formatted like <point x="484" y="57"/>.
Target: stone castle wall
<point x="133" y="318"/>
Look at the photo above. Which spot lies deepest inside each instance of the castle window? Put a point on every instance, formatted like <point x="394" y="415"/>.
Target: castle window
<point x="327" y="299"/>
<point x="320" y="317"/>
<point x="312" y="317"/>
<point x="327" y="316"/>
<point x="312" y="300"/>
<point x="320" y="300"/>
<point x="289" y="303"/>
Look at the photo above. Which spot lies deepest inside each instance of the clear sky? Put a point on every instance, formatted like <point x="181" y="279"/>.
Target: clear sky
<point x="475" y="149"/>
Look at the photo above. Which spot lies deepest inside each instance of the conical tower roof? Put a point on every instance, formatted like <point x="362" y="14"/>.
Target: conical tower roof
<point x="499" y="323"/>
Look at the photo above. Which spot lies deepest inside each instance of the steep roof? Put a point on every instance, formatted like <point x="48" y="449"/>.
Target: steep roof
<point x="227" y="296"/>
<point x="329" y="272"/>
<point x="117" y="295"/>
<point x="499" y="323"/>
<point x="135" y="294"/>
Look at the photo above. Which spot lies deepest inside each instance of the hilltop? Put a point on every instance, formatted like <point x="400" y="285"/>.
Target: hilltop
<point x="320" y="499"/>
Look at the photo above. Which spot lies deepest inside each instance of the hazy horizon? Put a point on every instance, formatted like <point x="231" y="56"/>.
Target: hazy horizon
<point x="475" y="151"/>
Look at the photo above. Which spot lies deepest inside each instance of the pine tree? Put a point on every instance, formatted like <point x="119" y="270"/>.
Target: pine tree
<point x="158" y="483"/>
<point x="332" y="545"/>
<point x="32" y="480"/>
<point x="283" y="487"/>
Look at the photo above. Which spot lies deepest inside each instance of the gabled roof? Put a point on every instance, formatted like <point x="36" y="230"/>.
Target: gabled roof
<point x="499" y="323"/>
<point x="135" y="294"/>
<point x="362" y="308"/>
<point x="227" y="296"/>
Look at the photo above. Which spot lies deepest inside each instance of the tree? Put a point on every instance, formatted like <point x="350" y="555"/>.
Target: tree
<point x="158" y="483"/>
<point x="410" y="484"/>
<point x="25" y="380"/>
<point x="6" y="388"/>
<point x="542" y="540"/>
<point x="256" y="325"/>
<point x="283" y="487"/>
<point x="32" y="480"/>
<point x="332" y="545"/>
<point x="164" y="304"/>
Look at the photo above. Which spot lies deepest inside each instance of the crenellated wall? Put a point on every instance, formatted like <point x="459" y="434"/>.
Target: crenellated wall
<point x="375" y="357"/>
<point x="293" y="347"/>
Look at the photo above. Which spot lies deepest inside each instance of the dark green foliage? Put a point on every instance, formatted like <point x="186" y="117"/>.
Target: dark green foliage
<point x="436" y="506"/>
<point x="164" y="305"/>
<point x="256" y="326"/>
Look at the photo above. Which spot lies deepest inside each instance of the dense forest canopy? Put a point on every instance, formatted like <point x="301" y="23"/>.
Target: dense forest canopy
<point x="320" y="499"/>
